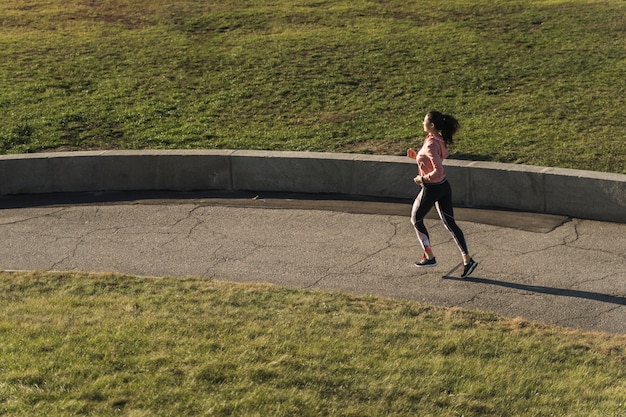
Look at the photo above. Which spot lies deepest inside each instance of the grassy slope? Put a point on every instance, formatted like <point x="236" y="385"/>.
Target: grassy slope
<point x="538" y="82"/>
<point x="76" y="344"/>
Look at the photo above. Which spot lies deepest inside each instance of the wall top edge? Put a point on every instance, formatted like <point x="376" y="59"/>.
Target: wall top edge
<point x="320" y="155"/>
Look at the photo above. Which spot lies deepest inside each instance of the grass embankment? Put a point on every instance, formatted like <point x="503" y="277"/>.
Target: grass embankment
<point x="537" y="82"/>
<point x="78" y="344"/>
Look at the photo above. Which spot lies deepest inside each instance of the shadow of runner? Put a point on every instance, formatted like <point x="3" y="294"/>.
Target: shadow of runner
<point x="605" y="298"/>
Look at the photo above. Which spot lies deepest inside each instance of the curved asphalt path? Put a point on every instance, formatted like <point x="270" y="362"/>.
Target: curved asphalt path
<point x="562" y="271"/>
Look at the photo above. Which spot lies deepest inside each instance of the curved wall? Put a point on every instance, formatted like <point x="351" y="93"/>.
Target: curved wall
<point x="575" y="193"/>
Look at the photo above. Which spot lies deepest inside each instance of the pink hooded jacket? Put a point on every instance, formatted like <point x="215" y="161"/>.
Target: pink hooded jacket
<point x="430" y="159"/>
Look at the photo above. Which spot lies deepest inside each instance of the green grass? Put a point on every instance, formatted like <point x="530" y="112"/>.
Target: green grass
<point x="534" y="81"/>
<point x="100" y="344"/>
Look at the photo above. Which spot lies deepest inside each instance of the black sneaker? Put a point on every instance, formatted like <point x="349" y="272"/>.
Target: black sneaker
<point x="469" y="268"/>
<point x="425" y="262"/>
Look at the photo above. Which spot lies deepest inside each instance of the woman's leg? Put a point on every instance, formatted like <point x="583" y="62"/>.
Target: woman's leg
<point x="446" y="213"/>
<point x="444" y="207"/>
<point x="421" y="206"/>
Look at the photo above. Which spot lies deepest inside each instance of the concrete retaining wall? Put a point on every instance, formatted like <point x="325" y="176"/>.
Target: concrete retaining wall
<point x="576" y="193"/>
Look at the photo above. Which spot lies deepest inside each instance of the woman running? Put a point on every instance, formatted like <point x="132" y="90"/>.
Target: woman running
<point x="436" y="191"/>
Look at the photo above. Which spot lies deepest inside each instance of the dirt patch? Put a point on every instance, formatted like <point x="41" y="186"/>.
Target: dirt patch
<point x="377" y="147"/>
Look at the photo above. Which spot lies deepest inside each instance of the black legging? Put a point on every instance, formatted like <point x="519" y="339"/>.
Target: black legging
<point x="440" y="196"/>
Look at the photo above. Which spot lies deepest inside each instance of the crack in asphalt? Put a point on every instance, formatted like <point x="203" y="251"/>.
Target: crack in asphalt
<point x="388" y="244"/>
<point x="594" y="317"/>
<point x="30" y="218"/>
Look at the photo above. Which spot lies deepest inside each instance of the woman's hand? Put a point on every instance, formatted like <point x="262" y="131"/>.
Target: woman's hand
<point x="418" y="180"/>
<point x="411" y="153"/>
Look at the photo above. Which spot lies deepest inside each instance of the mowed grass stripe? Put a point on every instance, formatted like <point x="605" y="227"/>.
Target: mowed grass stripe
<point x="105" y="344"/>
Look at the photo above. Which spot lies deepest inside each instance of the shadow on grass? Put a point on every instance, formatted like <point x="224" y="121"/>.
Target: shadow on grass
<point x="605" y="298"/>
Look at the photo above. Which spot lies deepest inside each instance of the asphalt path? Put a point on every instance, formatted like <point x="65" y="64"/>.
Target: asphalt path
<point x="553" y="269"/>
